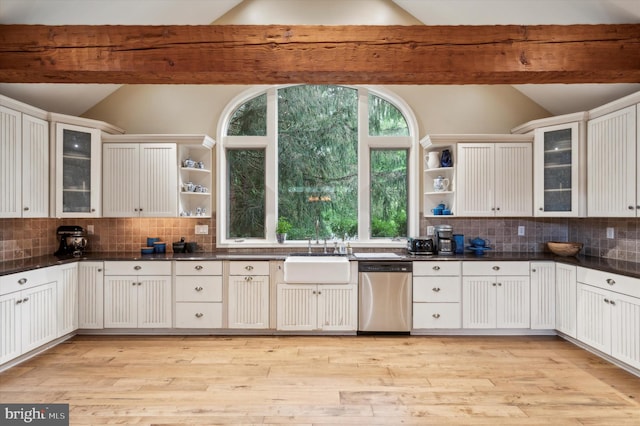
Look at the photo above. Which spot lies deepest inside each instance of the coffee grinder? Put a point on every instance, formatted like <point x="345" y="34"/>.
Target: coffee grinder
<point x="72" y="241"/>
<point x="444" y="240"/>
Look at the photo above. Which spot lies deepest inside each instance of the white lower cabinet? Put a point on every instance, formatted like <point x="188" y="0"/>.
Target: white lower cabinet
<point x="198" y="292"/>
<point x="248" y="290"/>
<point x="495" y="294"/>
<point x="607" y="320"/>
<point x="543" y="295"/>
<point x="436" y="295"/>
<point x="326" y="307"/>
<point x="91" y="295"/>
<point x="67" y="293"/>
<point x="29" y="316"/>
<point x="137" y="301"/>
<point x="566" y="299"/>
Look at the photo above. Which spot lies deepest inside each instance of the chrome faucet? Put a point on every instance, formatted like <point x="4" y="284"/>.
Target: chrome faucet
<point x="317" y="231"/>
<point x="309" y="246"/>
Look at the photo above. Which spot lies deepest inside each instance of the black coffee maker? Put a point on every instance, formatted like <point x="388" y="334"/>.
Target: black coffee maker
<point x="72" y="240"/>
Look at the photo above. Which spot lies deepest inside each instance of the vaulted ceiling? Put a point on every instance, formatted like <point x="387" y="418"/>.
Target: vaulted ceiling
<point x="556" y="98"/>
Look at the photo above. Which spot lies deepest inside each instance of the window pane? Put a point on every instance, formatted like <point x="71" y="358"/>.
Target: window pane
<point x="246" y="193"/>
<point x="389" y="193"/>
<point x="250" y="119"/>
<point x="317" y="160"/>
<point x="385" y="119"/>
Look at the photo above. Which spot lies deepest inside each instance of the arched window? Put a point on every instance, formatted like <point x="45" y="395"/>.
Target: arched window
<point x="334" y="161"/>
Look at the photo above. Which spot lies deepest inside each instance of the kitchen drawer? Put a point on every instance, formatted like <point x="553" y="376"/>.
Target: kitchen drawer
<point x="198" y="315"/>
<point x="137" y="268"/>
<point x="192" y="267"/>
<point x="199" y="289"/>
<point x="437" y="315"/>
<point x="495" y="268"/>
<point x="436" y="289"/>
<point x="436" y="268"/>
<point x="606" y="280"/>
<point x="248" y="268"/>
<point x="24" y="280"/>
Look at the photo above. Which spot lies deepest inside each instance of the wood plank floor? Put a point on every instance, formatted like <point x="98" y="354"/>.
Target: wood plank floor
<point x="369" y="380"/>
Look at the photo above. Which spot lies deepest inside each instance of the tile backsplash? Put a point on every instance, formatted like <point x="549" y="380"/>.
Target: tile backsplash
<point x="23" y="238"/>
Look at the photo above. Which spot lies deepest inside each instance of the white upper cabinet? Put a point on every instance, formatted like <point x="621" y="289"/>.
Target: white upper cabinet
<point x="612" y="157"/>
<point x="140" y="180"/>
<point x="24" y="160"/>
<point x="494" y="179"/>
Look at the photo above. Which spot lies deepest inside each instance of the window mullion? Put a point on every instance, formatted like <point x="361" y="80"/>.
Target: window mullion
<point x="271" y="173"/>
<point x="364" y="176"/>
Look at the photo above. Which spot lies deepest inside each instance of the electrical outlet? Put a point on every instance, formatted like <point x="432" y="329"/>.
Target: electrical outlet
<point x="90" y="229"/>
<point x="610" y="233"/>
<point x="520" y="231"/>
<point x="430" y="230"/>
<point x="202" y="229"/>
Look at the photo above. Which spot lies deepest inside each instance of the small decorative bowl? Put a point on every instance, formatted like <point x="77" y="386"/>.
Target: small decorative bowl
<point x="146" y="250"/>
<point x="564" y="248"/>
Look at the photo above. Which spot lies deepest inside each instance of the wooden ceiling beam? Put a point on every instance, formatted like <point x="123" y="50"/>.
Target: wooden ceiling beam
<point x="277" y="54"/>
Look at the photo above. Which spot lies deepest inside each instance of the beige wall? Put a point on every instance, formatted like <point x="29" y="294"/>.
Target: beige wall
<point x="197" y="108"/>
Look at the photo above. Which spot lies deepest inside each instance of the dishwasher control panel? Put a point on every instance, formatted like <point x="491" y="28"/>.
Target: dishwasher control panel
<point x="385" y="267"/>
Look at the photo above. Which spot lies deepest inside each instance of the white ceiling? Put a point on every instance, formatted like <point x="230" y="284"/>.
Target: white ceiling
<point x="75" y="99"/>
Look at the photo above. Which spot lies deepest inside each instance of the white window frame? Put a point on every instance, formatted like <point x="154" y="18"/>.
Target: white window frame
<point x="269" y="143"/>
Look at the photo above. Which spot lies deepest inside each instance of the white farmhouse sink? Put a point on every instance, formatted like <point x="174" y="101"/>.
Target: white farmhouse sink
<point x="317" y="270"/>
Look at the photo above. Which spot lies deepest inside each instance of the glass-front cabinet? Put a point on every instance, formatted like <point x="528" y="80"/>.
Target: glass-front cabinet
<point x="77" y="171"/>
<point x="559" y="159"/>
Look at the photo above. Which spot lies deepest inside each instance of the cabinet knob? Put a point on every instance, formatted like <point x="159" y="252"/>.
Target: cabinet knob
<point x="22" y="281"/>
<point x="26" y="299"/>
<point x="436" y="289"/>
<point x="436" y="268"/>
<point x="135" y="210"/>
<point x="26" y="209"/>
<point x="19" y="301"/>
<point x="631" y="208"/>
<point x="319" y="292"/>
<point x="499" y="284"/>
<point x="199" y="267"/>
<point x="99" y="269"/>
<point x="612" y="302"/>
<point x="93" y="210"/>
<point x="140" y="208"/>
<point x="199" y="288"/>
<point x="137" y="267"/>
<point x="610" y="281"/>
<point x="533" y="270"/>
<point x="606" y="301"/>
<point x="494" y="284"/>
<point x="134" y="283"/>
<point x="199" y="315"/>
<point x="541" y="209"/>
<point x="497" y="208"/>
<point x="496" y="268"/>
<point x="436" y="316"/>
<point x="249" y="268"/>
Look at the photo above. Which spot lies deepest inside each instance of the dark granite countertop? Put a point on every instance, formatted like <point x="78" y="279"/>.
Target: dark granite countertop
<point x="608" y="265"/>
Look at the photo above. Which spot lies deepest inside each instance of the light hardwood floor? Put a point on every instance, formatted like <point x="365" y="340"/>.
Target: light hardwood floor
<point x="327" y="380"/>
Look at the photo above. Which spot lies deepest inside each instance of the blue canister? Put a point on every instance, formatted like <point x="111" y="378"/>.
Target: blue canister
<point x="151" y="241"/>
<point x="159" y="247"/>
<point x="459" y="240"/>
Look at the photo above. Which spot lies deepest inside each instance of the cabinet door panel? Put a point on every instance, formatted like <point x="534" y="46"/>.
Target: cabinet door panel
<point x="38" y="316"/>
<point x="120" y="302"/>
<point x="248" y="301"/>
<point x="475" y="188"/>
<point x="10" y="163"/>
<point x="121" y="180"/>
<point x="478" y="302"/>
<point x="513" y="179"/>
<point x="625" y="330"/>
<point x="154" y="302"/>
<point x="513" y="302"/>
<point x="158" y="180"/>
<point x="566" y="299"/>
<point x="68" y="299"/>
<point x="90" y="295"/>
<point x="297" y="307"/>
<point x="337" y="307"/>
<point x="10" y="327"/>
<point x="543" y="295"/>
<point x="611" y="164"/>
<point x="35" y="167"/>
<point x="594" y="317"/>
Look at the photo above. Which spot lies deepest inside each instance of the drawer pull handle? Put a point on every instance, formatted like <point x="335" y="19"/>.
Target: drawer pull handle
<point x="198" y="267"/>
<point x="496" y="268"/>
<point x="606" y="301"/>
<point x="436" y="316"/>
<point x="436" y="289"/>
<point x="199" y="288"/>
<point x="631" y="208"/>
<point x="26" y="299"/>
<point x="612" y="302"/>
<point x="436" y="268"/>
<point x="249" y="268"/>
<point x="248" y="278"/>
<point x="610" y="281"/>
<point x="199" y="315"/>
<point x="137" y="267"/>
<point x="19" y="301"/>
<point x="22" y="281"/>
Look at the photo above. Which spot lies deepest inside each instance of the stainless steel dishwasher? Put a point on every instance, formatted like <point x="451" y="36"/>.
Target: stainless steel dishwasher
<point x="384" y="301"/>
